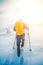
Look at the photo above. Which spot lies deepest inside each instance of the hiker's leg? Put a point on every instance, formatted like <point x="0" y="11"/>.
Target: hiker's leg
<point x="18" y="46"/>
<point x="23" y="39"/>
<point x="18" y="50"/>
<point x="22" y="43"/>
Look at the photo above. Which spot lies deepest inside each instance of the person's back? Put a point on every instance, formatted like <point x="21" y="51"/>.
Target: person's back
<point x="19" y="27"/>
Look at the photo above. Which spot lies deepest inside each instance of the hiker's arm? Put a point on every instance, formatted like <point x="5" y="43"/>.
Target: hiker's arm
<point x="26" y="27"/>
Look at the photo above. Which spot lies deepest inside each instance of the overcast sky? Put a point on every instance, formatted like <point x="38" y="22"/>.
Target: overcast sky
<point x="30" y="11"/>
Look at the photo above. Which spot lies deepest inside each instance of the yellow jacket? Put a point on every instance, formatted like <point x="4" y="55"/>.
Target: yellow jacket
<point x="19" y="28"/>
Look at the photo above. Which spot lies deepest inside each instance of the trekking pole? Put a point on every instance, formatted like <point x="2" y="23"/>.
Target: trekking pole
<point x="14" y="43"/>
<point x="29" y="43"/>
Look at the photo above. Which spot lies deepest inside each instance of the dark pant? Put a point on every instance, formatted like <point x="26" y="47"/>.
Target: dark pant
<point x="19" y="38"/>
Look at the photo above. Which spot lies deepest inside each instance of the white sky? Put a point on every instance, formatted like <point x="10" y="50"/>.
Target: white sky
<point x="31" y="11"/>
